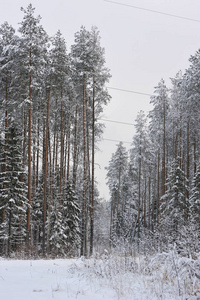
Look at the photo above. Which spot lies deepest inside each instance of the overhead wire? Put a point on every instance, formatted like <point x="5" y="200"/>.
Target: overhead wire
<point x="153" y="11"/>
<point x="129" y="91"/>
<point x="118" y="141"/>
<point x="118" y="122"/>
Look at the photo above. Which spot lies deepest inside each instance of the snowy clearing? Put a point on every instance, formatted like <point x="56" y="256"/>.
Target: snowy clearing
<point x="90" y="279"/>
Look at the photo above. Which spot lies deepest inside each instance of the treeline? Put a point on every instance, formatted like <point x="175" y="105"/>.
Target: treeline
<point x="155" y="187"/>
<point x="49" y="104"/>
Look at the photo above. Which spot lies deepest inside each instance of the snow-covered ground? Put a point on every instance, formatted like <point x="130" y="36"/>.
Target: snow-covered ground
<point x="93" y="279"/>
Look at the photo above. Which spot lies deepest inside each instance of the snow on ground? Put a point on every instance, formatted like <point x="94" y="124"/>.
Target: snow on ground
<point x="83" y="279"/>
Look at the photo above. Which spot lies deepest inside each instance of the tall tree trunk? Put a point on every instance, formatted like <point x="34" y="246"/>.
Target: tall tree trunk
<point x="83" y="231"/>
<point x="68" y="144"/>
<point x="112" y="212"/>
<point x="188" y="155"/>
<point x="5" y="148"/>
<point x="88" y="197"/>
<point x="51" y="179"/>
<point x="195" y="158"/>
<point x="34" y="162"/>
<point x="145" y="200"/>
<point x="118" y="191"/>
<point x="158" y="189"/>
<point x="61" y="154"/>
<point x="149" y="204"/>
<point x="75" y="148"/>
<point x="92" y="191"/>
<point x="38" y="151"/>
<point x="45" y="168"/>
<point x="54" y="142"/>
<point x="163" y="153"/>
<point x="139" y="194"/>
<point x="29" y="152"/>
<point x="68" y="152"/>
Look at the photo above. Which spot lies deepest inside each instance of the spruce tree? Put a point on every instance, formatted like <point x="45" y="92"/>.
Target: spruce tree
<point x="65" y="226"/>
<point x="194" y="214"/>
<point x="72" y="220"/>
<point x="117" y="170"/>
<point x="13" y="193"/>
<point x="175" y="205"/>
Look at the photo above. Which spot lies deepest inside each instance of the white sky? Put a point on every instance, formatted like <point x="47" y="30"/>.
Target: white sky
<point x="141" y="48"/>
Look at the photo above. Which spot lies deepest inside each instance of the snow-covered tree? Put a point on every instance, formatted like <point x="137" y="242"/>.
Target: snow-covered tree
<point x="72" y="220"/>
<point x="140" y="158"/>
<point x="175" y="204"/>
<point x="158" y="134"/>
<point x="115" y="174"/>
<point x="32" y="53"/>
<point x="65" y="225"/>
<point x="90" y="73"/>
<point x="13" y="193"/>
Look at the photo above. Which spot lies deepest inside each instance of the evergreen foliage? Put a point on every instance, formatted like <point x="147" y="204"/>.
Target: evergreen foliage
<point x="50" y="101"/>
<point x="13" y="193"/>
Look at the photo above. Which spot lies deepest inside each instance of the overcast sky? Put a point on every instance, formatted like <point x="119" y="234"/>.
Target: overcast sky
<point x="141" y="48"/>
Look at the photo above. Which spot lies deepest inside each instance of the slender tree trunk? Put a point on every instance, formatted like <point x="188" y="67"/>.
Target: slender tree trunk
<point x="176" y="146"/>
<point x="83" y="237"/>
<point x="163" y="153"/>
<point x="45" y="168"/>
<point x="88" y="197"/>
<point x="56" y="160"/>
<point x="111" y="223"/>
<point x="75" y="148"/>
<point x="68" y="153"/>
<point x="38" y="151"/>
<point x="92" y="192"/>
<point x="118" y="191"/>
<point x="65" y="154"/>
<point x="188" y="155"/>
<point x="139" y="195"/>
<point x="145" y="200"/>
<point x="158" y="189"/>
<point x="195" y="158"/>
<point x="54" y="142"/>
<point x="180" y="144"/>
<point x="5" y="148"/>
<point x="34" y="163"/>
<point x="51" y="192"/>
<point x="24" y="138"/>
<point x="149" y="204"/>
<point x="61" y="153"/>
<point x="29" y="153"/>
<point x="68" y="145"/>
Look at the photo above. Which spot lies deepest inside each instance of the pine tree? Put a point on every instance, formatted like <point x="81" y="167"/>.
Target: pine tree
<point x="32" y="53"/>
<point x="140" y="158"/>
<point x="158" y="133"/>
<point x="90" y="77"/>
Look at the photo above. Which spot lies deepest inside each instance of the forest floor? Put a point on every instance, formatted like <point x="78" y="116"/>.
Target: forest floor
<point x="109" y="278"/>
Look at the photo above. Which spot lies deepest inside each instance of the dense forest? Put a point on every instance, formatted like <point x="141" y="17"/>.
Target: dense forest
<point x="155" y="187"/>
<point x="50" y="101"/>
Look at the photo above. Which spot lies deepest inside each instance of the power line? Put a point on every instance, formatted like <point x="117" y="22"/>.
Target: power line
<point x="116" y="141"/>
<point x="129" y="91"/>
<point x="118" y="122"/>
<point x="153" y="11"/>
